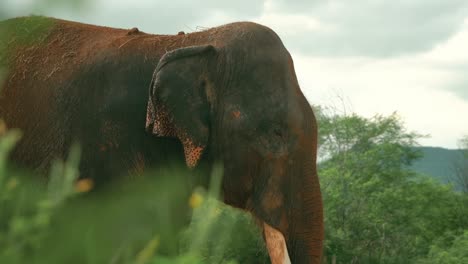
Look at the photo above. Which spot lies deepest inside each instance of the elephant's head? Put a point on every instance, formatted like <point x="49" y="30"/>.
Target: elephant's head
<point x="239" y="96"/>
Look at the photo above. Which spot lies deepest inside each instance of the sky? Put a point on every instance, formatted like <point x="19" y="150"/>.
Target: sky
<point x="365" y="56"/>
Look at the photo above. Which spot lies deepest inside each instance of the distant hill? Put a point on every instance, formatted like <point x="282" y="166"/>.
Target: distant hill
<point x="437" y="162"/>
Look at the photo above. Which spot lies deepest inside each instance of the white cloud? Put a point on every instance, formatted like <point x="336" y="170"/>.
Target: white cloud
<point x="416" y="86"/>
<point x="453" y="50"/>
<point x="284" y="23"/>
<point x="371" y="28"/>
<point x="153" y="16"/>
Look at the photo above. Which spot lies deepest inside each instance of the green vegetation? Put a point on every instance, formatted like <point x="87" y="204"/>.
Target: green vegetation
<point x="149" y="221"/>
<point x="448" y="249"/>
<point x="25" y="210"/>
<point x="377" y="209"/>
<point x="39" y="6"/>
<point x="461" y="166"/>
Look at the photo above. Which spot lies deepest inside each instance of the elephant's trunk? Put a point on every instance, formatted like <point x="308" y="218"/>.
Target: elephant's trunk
<point x="305" y="233"/>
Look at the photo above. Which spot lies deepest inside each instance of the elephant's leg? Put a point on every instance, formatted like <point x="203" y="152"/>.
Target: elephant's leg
<point x="276" y="245"/>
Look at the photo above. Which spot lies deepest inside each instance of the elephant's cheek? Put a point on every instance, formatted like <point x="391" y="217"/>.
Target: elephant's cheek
<point x="276" y="245"/>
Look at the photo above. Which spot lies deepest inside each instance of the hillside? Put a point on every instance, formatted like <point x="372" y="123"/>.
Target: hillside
<point x="437" y="162"/>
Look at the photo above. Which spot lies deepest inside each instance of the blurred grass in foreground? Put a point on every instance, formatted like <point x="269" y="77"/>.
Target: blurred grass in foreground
<point x="154" y="219"/>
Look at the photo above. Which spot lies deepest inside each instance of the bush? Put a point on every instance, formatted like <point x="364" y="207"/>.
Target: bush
<point x="448" y="250"/>
<point x="150" y="220"/>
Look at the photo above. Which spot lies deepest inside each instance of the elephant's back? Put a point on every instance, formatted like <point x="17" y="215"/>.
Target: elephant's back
<point x="44" y="58"/>
<point x="46" y="50"/>
<point x="62" y="77"/>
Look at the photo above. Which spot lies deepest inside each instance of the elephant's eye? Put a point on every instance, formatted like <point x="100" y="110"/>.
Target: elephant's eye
<point x="279" y="133"/>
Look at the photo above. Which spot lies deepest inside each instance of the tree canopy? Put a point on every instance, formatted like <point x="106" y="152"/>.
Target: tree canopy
<point x="377" y="210"/>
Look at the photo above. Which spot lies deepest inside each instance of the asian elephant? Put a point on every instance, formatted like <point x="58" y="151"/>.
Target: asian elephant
<point x="136" y="101"/>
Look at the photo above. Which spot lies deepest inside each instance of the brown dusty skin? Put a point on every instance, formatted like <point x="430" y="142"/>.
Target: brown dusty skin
<point x="228" y="94"/>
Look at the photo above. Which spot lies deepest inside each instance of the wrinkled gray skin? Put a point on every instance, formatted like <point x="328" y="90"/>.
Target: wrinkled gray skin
<point x="228" y="94"/>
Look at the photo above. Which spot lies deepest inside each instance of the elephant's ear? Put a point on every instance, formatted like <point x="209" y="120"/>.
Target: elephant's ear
<point x="178" y="104"/>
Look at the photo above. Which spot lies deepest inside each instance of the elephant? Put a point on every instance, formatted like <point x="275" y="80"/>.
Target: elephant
<point x="135" y="101"/>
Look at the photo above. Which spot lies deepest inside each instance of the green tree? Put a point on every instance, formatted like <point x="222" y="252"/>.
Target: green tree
<point x="461" y="165"/>
<point x="376" y="209"/>
<point x="448" y="250"/>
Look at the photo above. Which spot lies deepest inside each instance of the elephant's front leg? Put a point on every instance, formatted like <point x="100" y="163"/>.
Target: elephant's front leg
<point x="276" y="245"/>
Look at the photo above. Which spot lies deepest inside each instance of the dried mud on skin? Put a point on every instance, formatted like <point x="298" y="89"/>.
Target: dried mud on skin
<point x="58" y="44"/>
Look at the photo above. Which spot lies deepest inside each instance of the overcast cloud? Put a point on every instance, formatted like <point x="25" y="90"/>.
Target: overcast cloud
<point x="381" y="56"/>
<point x="373" y="28"/>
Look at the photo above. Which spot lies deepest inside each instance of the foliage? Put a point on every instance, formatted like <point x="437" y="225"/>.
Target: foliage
<point x="376" y="209"/>
<point x="448" y="250"/>
<point x="39" y="6"/>
<point x="137" y="221"/>
<point x="25" y="212"/>
<point x="464" y="144"/>
<point x="228" y="234"/>
<point x="460" y="176"/>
